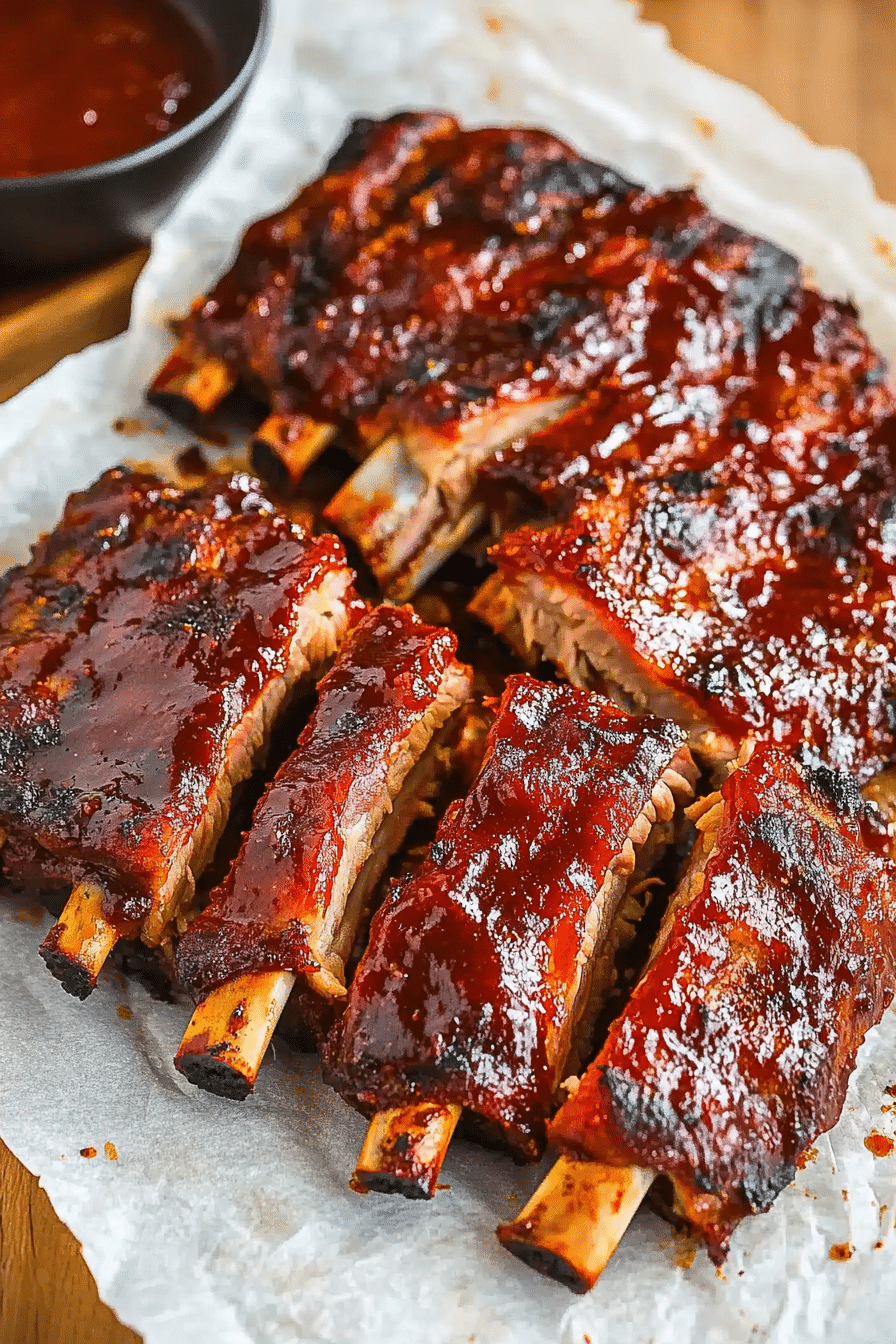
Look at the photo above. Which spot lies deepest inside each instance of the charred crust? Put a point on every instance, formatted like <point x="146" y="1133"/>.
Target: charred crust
<point x="384" y="1183"/>
<point x="213" y="1075"/>
<point x="354" y="144"/>
<point x="837" y="789"/>
<point x="765" y="296"/>
<point x="178" y="408"/>
<point x="74" y="978"/>
<point x="544" y="1262"/>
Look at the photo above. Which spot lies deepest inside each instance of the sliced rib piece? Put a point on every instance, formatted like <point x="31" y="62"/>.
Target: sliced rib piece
<point x="702" y="598"/>
<point x="373" y="751"/>
<point x="734" y="1052"/>
<point x="147" y="648"/>
<point x="484" y="971"/>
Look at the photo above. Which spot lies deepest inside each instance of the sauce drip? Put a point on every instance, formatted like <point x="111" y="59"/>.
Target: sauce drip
<point x="86" y="83"/>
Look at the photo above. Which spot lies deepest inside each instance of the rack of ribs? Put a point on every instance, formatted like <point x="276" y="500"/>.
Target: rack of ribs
<point x="444" y="296"/>
<point x="484" y="972"/>
<point x="734" y="1052"/>
<point x="376" y="748"/>
<point x="733" y="600"/>
<point x="148" y="647"/>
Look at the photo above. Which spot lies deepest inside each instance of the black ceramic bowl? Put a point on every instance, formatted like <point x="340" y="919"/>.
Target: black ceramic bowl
<point x="64" y="220"/>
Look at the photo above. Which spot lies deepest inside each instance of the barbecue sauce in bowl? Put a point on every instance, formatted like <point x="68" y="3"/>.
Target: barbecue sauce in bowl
<point x="85" y="83"/>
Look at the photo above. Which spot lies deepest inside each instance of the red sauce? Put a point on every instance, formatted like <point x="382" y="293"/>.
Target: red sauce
<point x="83" y="83"/>
<point x="879" y="1144"/>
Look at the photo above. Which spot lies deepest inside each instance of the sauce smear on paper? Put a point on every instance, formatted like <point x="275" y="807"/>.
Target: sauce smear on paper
<point x="83" y="83"/>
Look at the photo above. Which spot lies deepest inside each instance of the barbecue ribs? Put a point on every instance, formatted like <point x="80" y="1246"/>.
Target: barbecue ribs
<point x="440" y="294"/>
<point x="373" y="752"/>
<point x="482" y="973"/>
<point x="147" y="648"/>
<point x="732" y="600"/>
<point x="734" y="1052"/>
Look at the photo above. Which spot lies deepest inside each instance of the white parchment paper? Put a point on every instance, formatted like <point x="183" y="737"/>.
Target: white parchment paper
<point x="223" y="1223"/>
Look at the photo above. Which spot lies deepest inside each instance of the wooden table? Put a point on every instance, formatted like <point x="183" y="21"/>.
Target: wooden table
<point x="828" y="65"/>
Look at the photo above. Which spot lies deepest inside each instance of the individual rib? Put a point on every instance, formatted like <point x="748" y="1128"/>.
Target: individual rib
<point x="484" y="971"/>
<point x="372" y="755"/>
<point x="191" y="384"/>
<point x="147" y="648"/>
<point x="286" y="445"/>
<point x="734" y="1052"/>
<point x="231" y="1030"/>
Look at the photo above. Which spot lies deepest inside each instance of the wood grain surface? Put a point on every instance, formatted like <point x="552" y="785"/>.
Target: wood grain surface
<point x="828" y="65"/>
<point x="40" y="325"/>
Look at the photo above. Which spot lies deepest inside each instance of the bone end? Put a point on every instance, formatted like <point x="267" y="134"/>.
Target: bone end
<point x="189" y="386"/>
<point x="574" y="1222"/>
<point x="404" y="1150"/>
<point x="76" y="948"/>
<point x="229" y="1033"/>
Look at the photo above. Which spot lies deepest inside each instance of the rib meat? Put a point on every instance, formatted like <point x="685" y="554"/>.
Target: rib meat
<point x="443" y="295"/>
<point x="482" y="971"/>
<point x="734" y="1052"/>
<point x="147" y="648"/>
<point x="738" y="599"/>
<point x="374" y="749"/>
<point x="737" y="362"/>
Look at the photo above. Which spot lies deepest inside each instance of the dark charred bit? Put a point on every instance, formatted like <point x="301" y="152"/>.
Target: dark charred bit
<point x="353" y="145"/>
<point x="837" y="788"/>
<point x="75" y="980"/>
<point x="545" y="1262"/>
<point x="192" y="461"/>
<point x="213" y="1075"/>
<point x="690" y="482"/>
<point x="180" y="409"/>
<point x="387" y="1183"/>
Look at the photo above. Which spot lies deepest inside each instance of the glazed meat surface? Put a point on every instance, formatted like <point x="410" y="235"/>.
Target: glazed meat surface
<point x="382" y="264"/>
<point x="490" y="314"/>
<point x="295" y="895"/>
<point x="705" y="597"/>
<point x="777" y="956"/>
<point x="146" y="648"/>
<point x="733" y="361"/>
<point x="477" y="969"/>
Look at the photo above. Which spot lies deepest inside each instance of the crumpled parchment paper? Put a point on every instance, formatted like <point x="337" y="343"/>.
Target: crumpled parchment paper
<point x="224" y="1222"/>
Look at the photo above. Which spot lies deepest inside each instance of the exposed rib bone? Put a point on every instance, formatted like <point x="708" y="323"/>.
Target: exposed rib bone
<point x="230" y="1031"/>
<point x="189" y="387"/>
<point x="285" y="446"/>
<point x="78" y="945"/>
<point x="405" y="1148"/>
<point x="411" y="503"/>
<point x="576" y="1219"/>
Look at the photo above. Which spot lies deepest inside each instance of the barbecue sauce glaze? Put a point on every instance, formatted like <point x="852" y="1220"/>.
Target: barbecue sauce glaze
<point x="146" y="626"/>
<point x="735" y="1049"/>
<point x="385" y="682"/>
<point x="89" y="80"/>
<point x="433" y="276"/>
<point x="467" y="986"/>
